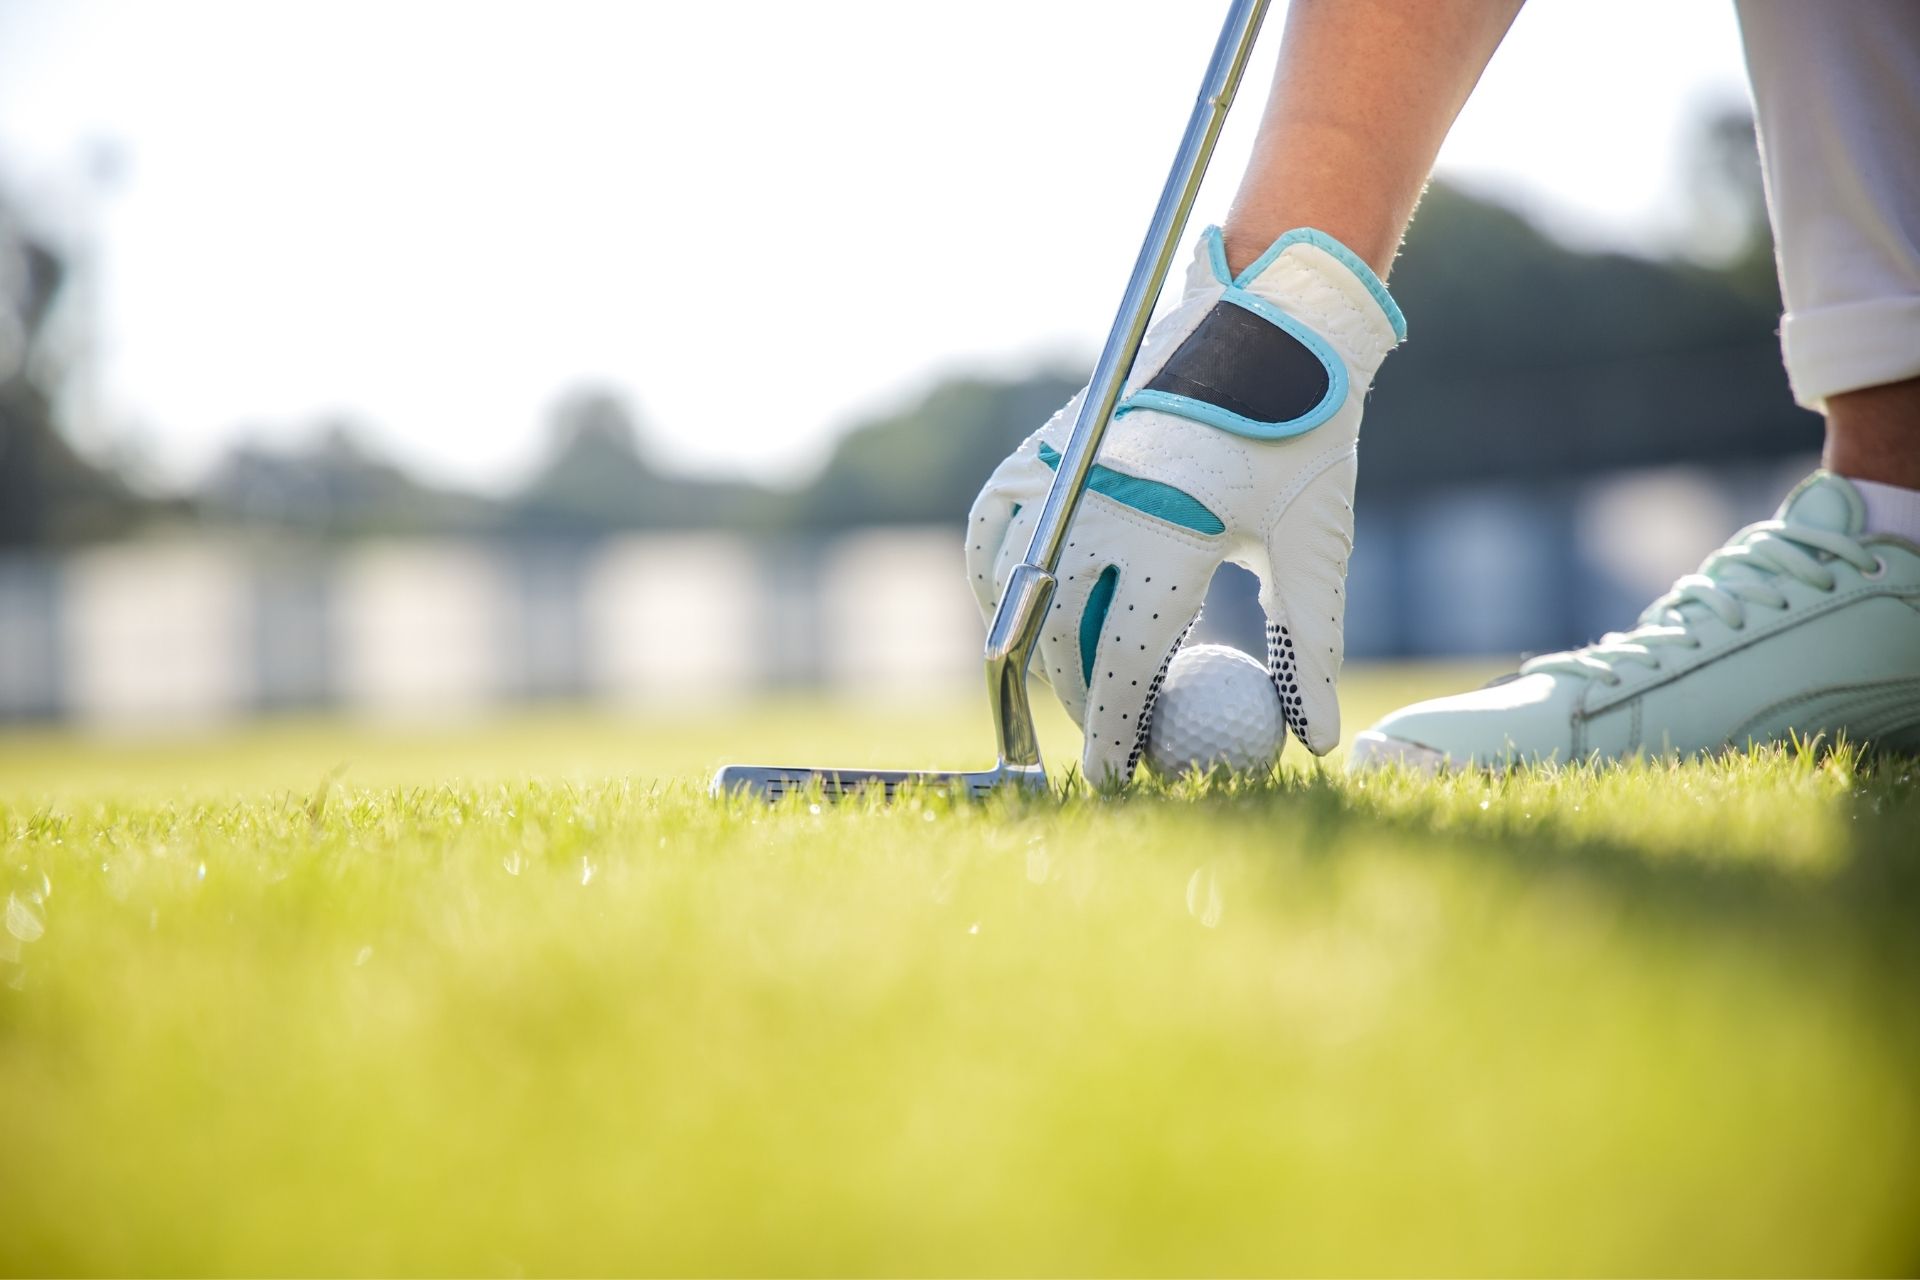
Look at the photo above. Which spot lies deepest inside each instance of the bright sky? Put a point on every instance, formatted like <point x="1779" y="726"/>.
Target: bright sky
<point x="761" y="219"/>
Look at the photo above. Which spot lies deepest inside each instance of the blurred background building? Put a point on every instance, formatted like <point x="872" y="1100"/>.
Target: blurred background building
<point x="1570" y="427"/>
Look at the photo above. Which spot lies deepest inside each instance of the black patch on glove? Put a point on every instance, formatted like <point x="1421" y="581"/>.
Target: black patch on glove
<point x="1240" y="362"/>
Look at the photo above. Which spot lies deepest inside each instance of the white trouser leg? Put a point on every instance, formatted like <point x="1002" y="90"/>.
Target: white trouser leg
<point x="1836" y="88"/>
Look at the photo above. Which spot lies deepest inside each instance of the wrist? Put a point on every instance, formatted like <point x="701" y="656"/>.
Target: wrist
<point x="1249" y="232"/>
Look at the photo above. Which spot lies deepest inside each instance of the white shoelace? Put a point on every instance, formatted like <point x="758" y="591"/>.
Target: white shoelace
<point x="1745" y="566"/>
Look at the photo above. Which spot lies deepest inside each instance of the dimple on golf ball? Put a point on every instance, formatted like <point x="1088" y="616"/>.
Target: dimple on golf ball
<point x="1217" y="709"/>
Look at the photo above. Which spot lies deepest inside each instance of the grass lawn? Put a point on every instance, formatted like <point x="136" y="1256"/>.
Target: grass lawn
<point x="515" y="997"/>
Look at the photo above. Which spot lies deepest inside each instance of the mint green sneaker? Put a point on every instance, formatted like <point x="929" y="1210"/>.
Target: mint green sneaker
<point x="1800" y="625"/>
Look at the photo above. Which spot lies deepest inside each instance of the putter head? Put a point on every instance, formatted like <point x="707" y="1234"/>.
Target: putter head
<point x="1010" y="643"/>
<point x="771" y="783"/>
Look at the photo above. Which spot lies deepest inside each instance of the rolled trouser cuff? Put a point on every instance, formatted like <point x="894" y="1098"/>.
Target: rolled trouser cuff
<point x="1831" y="350"/>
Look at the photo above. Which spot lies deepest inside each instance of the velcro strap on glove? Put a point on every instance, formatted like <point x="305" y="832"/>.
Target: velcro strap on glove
<point x="1251" y="369"/>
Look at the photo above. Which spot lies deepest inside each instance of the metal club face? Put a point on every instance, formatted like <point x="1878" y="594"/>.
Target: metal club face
<point x="771" y="783"/>
<point x="1010" y="643"/>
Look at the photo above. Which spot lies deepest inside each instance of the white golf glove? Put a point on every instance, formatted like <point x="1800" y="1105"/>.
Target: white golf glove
<point x="1234" y="440"/>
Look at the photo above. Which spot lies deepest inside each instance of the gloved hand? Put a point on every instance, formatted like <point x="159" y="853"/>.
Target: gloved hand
<point x="1234" y="440"/>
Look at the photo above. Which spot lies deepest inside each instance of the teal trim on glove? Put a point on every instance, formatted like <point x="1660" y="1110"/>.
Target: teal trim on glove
<point x="1161" y="501"/>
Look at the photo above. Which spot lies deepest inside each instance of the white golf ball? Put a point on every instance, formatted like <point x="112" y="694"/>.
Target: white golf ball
<point x="1217" y="709"/>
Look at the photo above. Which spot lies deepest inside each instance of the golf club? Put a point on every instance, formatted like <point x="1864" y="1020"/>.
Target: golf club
<point x="1023" y="606"/>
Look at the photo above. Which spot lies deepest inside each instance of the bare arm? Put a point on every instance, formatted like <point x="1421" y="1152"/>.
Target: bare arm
<point x="1363" y="96"/>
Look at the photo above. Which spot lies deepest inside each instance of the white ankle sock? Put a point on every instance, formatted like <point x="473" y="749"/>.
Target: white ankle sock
<point x="1891" y="509"/>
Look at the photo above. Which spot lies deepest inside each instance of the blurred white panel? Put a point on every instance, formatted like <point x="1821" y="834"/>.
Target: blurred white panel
<point x="419" y="627"/>
<point x="1646" y="528"/>
<point x="157" y="633"/>
<point x="675" y="619"/>
<point x="898" y="620"/>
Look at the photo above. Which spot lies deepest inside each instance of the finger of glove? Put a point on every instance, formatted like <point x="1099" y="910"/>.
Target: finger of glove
<point x="1303" y="592"/>
<point x="987" y="526"/>
<point x="1060" y="660"/>
<point x="1013" y="549"/>
<point x="1015" y="491"/>
<point x="1154" y="603"/>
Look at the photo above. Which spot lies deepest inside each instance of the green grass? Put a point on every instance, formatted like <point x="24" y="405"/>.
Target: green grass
<point x="517" y="998"/>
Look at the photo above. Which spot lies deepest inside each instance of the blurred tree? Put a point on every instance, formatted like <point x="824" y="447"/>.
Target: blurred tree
<point x="596" y="477"/>
<point x="593" y="474"/>
<point x="1729" y="202"/>
<point x="1530" y="360"/>
<point x="336" y="486"/>
<point x="924" y="462"/>
<point x="49" y="494"/>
